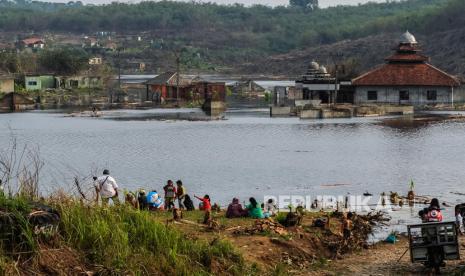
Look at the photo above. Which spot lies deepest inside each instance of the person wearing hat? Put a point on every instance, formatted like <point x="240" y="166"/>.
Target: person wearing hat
<point x="107" y="188"/>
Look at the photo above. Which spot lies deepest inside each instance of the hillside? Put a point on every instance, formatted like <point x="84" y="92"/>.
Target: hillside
<point x="235" y="39"/>
<point x="441" y="36"/>
<point x="445" y="50"/>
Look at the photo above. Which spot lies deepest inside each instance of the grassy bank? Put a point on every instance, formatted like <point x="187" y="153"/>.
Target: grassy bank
<point x="116" y="241"/>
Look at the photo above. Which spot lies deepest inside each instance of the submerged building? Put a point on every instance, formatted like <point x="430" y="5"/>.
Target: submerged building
<point x="405" y="78"/>
<point x="316" y="84"/>
<point x="169" y="86"/>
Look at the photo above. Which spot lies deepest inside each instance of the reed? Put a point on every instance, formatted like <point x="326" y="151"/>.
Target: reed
<point x="118" y="241"/>
<point x="122" y="239"/>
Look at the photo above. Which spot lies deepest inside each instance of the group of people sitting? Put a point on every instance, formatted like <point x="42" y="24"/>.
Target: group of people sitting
<point x="253" y="209"/>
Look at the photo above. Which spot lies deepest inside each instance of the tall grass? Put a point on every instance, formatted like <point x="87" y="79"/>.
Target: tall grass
<point x="117" y="241"/>
<point x="122" y="240"/>
<point x="16" y="234"/>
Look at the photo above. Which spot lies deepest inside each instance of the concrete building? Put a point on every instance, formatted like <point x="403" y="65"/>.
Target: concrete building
<point x="95" y="61"/>
<point x="405" y="78"/>
<point x="7" y="84"/>
<point x="248" y="89"/>
<point x="164" y="87"/>
<point x="31" y="44"/>
<point x="316" y="84"/>
<point x="39" y="82"/>
<point x="79" y="81"/>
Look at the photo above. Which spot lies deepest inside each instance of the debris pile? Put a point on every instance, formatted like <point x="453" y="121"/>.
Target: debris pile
<point x="262" y="226"/>
<point x="363" y="227"/>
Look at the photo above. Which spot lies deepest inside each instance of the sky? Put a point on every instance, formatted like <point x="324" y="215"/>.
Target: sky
<point x="323" y="3"/>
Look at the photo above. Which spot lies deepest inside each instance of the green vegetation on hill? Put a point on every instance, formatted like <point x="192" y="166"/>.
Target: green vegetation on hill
<point x="259" y="27"/>
<point x="219" y="35"/>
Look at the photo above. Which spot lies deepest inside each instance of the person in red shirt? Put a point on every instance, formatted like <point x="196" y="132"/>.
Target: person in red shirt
<point x="206" y="206"/>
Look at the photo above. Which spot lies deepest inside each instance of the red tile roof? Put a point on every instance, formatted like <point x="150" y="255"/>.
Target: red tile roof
<point x="33" y="40"/>
<point x="405" y="74"/>
<point x="407" y="57"/>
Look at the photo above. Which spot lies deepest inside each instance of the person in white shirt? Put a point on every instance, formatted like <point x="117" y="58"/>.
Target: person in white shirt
<point x="106" y="188"/>
<point x="459" y="221"/>
<point x="270" y="208"/>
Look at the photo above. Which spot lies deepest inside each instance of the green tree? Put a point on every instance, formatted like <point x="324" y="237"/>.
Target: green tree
<point x="65" y="61"/>
<point x="304" y="4"/>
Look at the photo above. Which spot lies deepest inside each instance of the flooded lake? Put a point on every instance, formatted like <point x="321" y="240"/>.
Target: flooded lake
<point x="247" y="153"/>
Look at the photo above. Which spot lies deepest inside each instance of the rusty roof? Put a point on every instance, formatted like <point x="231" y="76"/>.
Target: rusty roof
<point x="406" y="74"/>
<point x="169" y="78"/>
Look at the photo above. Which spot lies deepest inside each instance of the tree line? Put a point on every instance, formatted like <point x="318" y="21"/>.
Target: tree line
<point x="224" y="34"/>
<point x="275" y="29"/>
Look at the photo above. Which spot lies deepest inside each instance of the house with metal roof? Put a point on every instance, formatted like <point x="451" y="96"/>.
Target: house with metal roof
<point x="407" y="77"/>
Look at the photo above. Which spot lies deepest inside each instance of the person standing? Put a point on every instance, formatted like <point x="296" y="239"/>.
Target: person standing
<point x="459" y="221"/>
<point x="346" y="227"/>
<point x="106" y="188"/>
<point x="206" y="207"/>
<point x="170" y="195"/>
<point x="180" y="194"/>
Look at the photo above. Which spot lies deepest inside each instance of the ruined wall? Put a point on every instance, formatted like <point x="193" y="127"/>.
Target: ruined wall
<point x="7" y="85"/>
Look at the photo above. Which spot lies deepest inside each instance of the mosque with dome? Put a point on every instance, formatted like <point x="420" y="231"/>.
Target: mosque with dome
<point x="316" y="84"/>
<point x="406" y="78"/>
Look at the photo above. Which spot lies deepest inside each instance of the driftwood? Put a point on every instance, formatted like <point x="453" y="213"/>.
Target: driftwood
<point x="363" y="227"/>
<point x="262" y="226"/>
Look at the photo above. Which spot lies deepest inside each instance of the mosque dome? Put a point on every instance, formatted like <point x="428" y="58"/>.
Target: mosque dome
<point x="314" y="65"/>
<point x="408" y="38"/>
<point x="323" y="70"/>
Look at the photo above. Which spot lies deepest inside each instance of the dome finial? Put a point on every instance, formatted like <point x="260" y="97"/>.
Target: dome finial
<point x="408" y="38"/>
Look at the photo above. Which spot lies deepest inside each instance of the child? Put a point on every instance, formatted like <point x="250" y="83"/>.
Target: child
<point x="347" y="225"/>
<point x="206" y="206"/>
